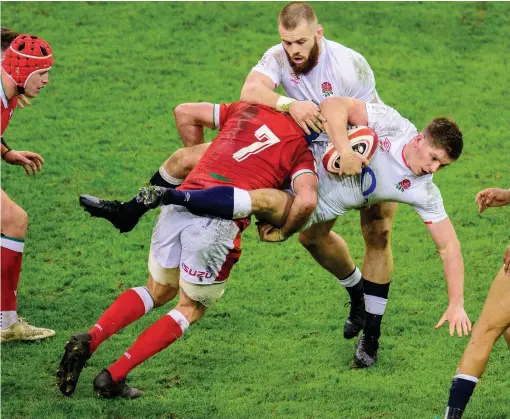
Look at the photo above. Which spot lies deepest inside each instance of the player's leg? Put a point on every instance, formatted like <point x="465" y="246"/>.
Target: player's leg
<point x="210" y="247"/>
<point x="125" y="215"/>
<point x="111" y="382"/>
<point x="493" y="322"/>
<point x="126" y="309"/>
<point x="331" y="252"/>
<point x="162" y="286"/>
<point x="376" y="225"/>
<point x="507" y="337"/>
<point x="14" y="229"/>
<point x="226" y="202"/>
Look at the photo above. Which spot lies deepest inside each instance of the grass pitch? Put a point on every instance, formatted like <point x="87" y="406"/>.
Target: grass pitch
<point x="273" y="346"/>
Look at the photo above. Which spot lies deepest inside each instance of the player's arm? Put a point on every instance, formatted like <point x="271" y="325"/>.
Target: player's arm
<point x="258" y="89"/>
<point x="492" y="197"/>
<point x="304" y="204"/>
<point x="339" y="111"/>
<point x="191" y="118"/>
<point x="444" y="236"/>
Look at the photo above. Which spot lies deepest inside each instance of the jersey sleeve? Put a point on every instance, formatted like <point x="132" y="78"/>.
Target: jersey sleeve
<point x="386" y="121"/>
<point x="221" y="113"/>
<point x="429" y="205"/>
<point x="303" y="162"/>
<point x="272" y="64"/>
<point x="357" y="77"/>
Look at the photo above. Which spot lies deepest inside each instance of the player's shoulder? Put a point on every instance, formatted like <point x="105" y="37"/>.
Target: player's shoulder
<point x="384" y="112"/>
<point x="275" y="52"/>
<point x="352" y="65"/>
<point x="343" y="52"/>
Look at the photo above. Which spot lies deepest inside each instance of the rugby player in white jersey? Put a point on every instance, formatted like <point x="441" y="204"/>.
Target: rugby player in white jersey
<point x="400" y="170"/>
<point x="308" y="66"/>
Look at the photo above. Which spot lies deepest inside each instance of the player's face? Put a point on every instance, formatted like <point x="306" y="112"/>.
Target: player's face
<point x="424" y="158"/>
<point x="35" y="83"/>
<point x="302" y="46"/>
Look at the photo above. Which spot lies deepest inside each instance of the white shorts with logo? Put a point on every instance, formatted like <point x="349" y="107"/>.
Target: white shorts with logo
<point x="203" y="248"/>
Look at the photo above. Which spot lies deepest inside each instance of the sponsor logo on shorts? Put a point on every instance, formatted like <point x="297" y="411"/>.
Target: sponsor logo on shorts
<point x="193" y="272"/>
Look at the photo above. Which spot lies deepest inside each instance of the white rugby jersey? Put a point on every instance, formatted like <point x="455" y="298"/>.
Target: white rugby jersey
<point x="386" y="178"/>
<point x="340" y="71"/>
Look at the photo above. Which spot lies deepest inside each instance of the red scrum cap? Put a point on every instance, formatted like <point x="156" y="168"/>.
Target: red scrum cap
<point x="25" y="56"/>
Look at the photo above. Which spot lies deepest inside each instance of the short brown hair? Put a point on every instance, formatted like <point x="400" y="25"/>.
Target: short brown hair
<point x="294" y="13"/>
<point x="446" y="135"/>
<point x="8" y="35"/>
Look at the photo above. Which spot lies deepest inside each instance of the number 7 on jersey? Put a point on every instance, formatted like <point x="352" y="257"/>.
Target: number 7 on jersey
<point x="263" y="133"/>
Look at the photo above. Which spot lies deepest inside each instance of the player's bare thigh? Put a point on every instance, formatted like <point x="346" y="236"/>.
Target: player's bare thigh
<point x="182" y="161"/>
<point x="495" y="317"/>
<point x="14" y="218"/>
<point x="271" y="205"/>
<point x="376" y="223"/>
<point x="316" y="233"/>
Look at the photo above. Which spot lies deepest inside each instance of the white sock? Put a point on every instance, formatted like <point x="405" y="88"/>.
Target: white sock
<point x="242" y="203"/>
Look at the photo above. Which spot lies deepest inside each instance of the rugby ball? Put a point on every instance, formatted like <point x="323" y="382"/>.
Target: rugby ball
<point x="364" y="140"/>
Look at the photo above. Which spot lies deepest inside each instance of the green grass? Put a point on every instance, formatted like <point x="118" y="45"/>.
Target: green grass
<point x="273" y="346"/>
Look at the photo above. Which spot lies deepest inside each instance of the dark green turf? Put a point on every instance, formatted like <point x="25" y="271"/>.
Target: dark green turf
<point x="273" y="347"/>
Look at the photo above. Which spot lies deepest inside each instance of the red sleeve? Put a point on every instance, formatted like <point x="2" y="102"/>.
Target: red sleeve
<point x="221" y="113"/>
<point x="303" y="162"/>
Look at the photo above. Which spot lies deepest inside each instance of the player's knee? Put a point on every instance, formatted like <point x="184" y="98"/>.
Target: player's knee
<point x="14" y="220"/>
<point x="377" y="235"/>
<point x="486" y="331"/>
<point x="179" y="162"/>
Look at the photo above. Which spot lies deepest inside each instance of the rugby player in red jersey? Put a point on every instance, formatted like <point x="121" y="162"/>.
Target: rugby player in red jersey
<point x="25" y="67"/>
<point x="192" y="255"/>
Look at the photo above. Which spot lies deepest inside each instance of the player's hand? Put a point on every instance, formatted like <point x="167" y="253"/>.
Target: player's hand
<point x="458" y="320"/>
<point x="506" y="261"/>
<point x="31" y="162"/>
<point x="352" y="163"/>
<point x="308" y="115"/>
<point x="23" y="101"/>
<point x="492" y="197"/>
<point x="270" y="233"/>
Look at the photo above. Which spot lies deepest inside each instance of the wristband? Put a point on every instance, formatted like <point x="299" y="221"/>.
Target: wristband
<point x="283" y="103"/>
<point x="3" y="155"/>
<point x="5" y="144"/>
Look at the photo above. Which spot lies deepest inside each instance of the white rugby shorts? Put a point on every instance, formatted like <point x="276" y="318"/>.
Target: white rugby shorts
<point x="204" y="249"/>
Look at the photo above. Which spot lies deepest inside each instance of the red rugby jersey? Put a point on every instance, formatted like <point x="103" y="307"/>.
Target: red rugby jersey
<point x="256" y="148"/>
<point x="7" y="109"/>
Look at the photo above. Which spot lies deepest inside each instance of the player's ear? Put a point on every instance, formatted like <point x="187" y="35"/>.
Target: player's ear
<point x="418" y="139"/>
<point x="319" y="32"/>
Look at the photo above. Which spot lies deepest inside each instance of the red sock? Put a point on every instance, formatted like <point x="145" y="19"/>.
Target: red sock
<point x="12" y="255"/>
<point x="127" y="308"/>
<point x="153" y="340"/>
